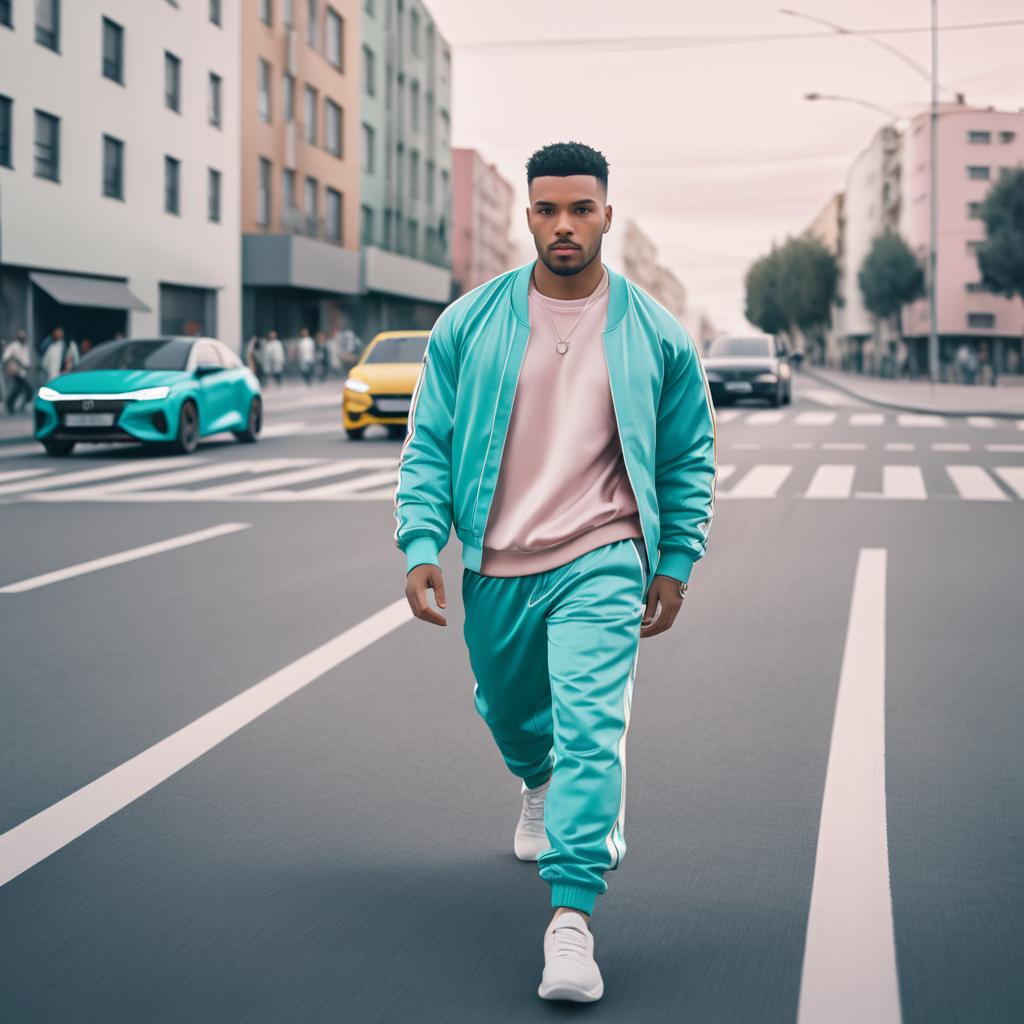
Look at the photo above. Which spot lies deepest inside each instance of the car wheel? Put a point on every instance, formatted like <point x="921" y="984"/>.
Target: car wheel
<point x="188" y="428"/>
<point x="776" y="399"/>
<point x="59" y="447"/>
<point x="397" y="431"/>
<point x="355" y="433"/>
<point x="789" y="394"/>
<point x="252" y="431"/>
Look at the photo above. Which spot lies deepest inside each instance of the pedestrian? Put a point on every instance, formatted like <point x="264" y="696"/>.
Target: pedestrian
<point x="596" y="509"/>
<point x="51" y="354"/>
<point x="273" y="352"/>
<point x="70" y="355"/>
<point x="322" y="356"/>
<point x="254" y="357"/>
<point x="964" y="360"/>
<point x="306" y="355"/>
<point x="16" y="361"/>
<point x="349" y="347"/>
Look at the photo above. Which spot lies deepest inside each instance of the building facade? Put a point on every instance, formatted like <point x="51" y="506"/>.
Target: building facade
<point x="640" y="263"/>
<point x="828" y="227"/>
<point x="119" y="163"/>
<point x="481" y="221"/>
<point x="300" y="160"/>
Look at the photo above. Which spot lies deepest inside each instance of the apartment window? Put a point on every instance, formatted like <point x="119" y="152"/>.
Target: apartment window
<point x="288" y="188"/>
<point x="333" y="127"/>
<point x="213" y="195"/>
<point x="215" y="100"/>
<point x="215" y="12"/>
<point x="979" y="138"/>
<point x="368" y="6"/>
<point x="445" y="128"/>
<point x="414" y="238"/>
<point x="47" y="146"/>
<point x="366" y="225"/>
<point x="311" y="25"/>
<point x="113" y="167"/>
<point x="414" y="104"/>
<point x="309" y="112"/>
<point x="113" y="51"/>
<point x="263" y="193"/>
<point x="444" y="188"/>
<point x="263" y="91"/>
<point x="976" y="286"/>
<point x="369" y="71"/>
<point x="414" y="31"/>
<point x="5" y="13"/>
<point x="172" y="185"/>
<point x="1007" y="136"/>
<point x="172" y="82"/>
<point x="311" y="205"/>
<point x="981" y="319"/>
<point x="48" y="24"/>
<point x="430" y="181"/>
<point x="972" y="247"/>
<point x="414" y="174"/>
<point x="267" y="12"/>
<point x="333" y="216"/>
<point x="369" y="145"/>
<point x="976" y="173"/>
<point x="288" y="96"/>
<point x="288" y="14"/>
<point x="974" y="210"/>
<point x="389" y="86"/>
<point x="335" y="38"/>
<point x="5" y="132"/>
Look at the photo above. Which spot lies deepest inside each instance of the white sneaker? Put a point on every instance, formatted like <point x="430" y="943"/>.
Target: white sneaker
<point x="569" y="968"/>
<point x="531" y="840"/>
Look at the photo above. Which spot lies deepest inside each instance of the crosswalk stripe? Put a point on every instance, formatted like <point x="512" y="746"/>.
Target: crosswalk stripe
<point x="760" y="482"/>
<point x="831" y="481"/>
<point x="350" y="486"/>
<point x="866" y="419"/>
<point x="815" y="419"/>
<point x="1020" y="424"/>
<point x="899" y="446"/>
<point x="1013" y="476"/>
<point x="918" y="419"/>
<point x="950" y="446"/>
<point x="99" y="473"/>
<point x="727" y="415"/>
<point x="21" y="474"/>
<point x="1004" y="447"/>
<point x="972" y="483"/>
<point x="984" y="422"/>
<point x="293" y="476"/>
<point x="899" y="483"/>
<point x="766" y="418"/>
<point x="189" y="476"/>
<point x="844" y="446"/>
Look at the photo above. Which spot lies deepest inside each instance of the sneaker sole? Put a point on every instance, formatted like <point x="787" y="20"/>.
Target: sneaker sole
<point x="576" y="995"/>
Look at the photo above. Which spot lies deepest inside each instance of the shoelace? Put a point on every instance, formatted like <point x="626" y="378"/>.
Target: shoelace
<point x="570" y="941"/>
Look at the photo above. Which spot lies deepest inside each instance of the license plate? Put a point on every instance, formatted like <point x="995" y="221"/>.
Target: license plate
<point x="738" y="385"/>
<point x="89" y="419"/>
<point x="393" y="404"/>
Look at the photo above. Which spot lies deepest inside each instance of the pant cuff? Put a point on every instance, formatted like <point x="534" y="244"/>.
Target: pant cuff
<point x="575" y="896"/>
<point x="533" y="781"/>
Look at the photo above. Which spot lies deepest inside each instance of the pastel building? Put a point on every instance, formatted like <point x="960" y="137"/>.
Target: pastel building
<point x="482" y="218"/>
<point x="119" y="163"/>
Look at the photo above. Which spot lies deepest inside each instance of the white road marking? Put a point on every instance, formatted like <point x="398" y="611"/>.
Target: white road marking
<point x="359" y="483"/>
<point x="844" y="446"/>
<point x="1004" y="447"/>
<point x="727" y="415"/>
<point x="11" y="451"/>
<point x="283" y="429"/>
<point x="98" y="473"/>
<point x="1020" y="424"/>
<point x="849" y="967"/>
<point x="899" y="446"/>
<point x="767" y="418"/>
<point x="21" y="474"/>
<point x="826" y="396"/>
<point x="749" y="446"/>
<point x="760" y="482"/>
<point x="972" y="483"/>
<point x="131" y="555"/>
<point x="917" y="419"/>
<point x="1013" y="477"/>
<point x="293" y="476"/>
<point x="985" y="422"/>
<point x="803" y="445"/>
<point x="271" y="407"/>
<point x="815" y="419"/>
<point x="866" y="419"/>
<point x="208" y="472"/>
<point x="45" y="833"/>
<point x="899" y="483"/>
<point x="831" y="481"/>
<point x="950" y="446"/>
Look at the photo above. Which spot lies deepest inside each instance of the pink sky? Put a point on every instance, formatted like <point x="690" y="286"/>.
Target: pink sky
<point x="713" y="150"/>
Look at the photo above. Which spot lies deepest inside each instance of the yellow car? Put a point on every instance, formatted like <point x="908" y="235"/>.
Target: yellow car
<point x="379" y="387"/>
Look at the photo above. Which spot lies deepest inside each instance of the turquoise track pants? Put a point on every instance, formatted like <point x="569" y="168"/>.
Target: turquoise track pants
<point x="554" y="655"/>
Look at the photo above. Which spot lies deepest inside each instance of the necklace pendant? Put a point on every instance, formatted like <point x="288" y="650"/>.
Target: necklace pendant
<point x="562" y="348"/>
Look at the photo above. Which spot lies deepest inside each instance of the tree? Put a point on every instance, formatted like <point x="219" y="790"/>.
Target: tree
<point x="1001" y="255"/>
<point x="890" y="277"/>
<point x="763" y="302"/>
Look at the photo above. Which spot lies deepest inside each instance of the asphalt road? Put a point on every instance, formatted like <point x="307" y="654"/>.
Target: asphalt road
<point x="343" y="852"/>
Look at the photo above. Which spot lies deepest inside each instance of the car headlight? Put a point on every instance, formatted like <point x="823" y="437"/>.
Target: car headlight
<point x="766" y="378"/>
<point x="356" y="385"/>
<point x="49" y="394"/>
<point x="148" y="394"/>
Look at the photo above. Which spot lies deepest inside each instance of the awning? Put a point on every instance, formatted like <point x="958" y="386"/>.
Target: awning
<point x="71" y="290"/>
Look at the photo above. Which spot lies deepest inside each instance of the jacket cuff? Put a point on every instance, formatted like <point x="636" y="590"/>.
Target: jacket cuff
<point x="422" y="549"/>
<point x="676" y="564"/>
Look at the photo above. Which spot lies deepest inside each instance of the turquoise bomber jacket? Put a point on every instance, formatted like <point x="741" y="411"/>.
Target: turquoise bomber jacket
<point x="462" y="402"/>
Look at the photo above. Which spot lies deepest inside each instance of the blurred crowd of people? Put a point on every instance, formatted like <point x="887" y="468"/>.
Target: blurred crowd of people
<point x="314" y="357"/>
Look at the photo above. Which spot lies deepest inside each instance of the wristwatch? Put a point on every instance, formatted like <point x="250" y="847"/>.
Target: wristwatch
<point x="682" y="589"/>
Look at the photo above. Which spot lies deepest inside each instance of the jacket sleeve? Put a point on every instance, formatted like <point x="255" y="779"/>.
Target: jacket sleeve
<point x="423" y="494"/>
<point x="685" y="469"/>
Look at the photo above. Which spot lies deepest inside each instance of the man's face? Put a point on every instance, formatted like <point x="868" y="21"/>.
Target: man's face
<point x="567" y="217"/>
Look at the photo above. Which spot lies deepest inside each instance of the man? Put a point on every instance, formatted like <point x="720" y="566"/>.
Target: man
<point x="17" y="363"/>
<point x="581" y="452"/>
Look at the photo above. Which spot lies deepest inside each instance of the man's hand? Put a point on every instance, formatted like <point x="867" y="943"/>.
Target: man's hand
<point x="418" y="581"/>
<point x="666" y="590"/>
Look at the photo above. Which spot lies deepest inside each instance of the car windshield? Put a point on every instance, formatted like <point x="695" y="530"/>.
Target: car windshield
<point x="740" y="347"/>
<point x="398" y="350"/>
<point x="132" y="354"/>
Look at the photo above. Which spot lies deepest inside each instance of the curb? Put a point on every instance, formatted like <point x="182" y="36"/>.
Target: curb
<point x="902" y="407"/>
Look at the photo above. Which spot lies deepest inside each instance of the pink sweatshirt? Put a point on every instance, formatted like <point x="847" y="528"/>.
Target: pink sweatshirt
<point x="562" y="487"/>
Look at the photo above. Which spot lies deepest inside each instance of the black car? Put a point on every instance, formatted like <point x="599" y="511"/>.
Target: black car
<point x="748" y="366"/>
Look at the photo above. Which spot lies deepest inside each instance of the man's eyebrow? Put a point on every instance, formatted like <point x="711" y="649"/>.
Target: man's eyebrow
<point x="575" y="202"/>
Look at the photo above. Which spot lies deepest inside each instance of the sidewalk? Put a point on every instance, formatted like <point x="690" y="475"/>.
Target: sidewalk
<point x="923" y="396"/>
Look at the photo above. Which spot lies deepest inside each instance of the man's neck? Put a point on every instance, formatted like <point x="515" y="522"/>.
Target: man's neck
<point x="575" y="286"/>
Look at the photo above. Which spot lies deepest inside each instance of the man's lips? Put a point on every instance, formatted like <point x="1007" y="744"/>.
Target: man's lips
<point x="565" y="248"/>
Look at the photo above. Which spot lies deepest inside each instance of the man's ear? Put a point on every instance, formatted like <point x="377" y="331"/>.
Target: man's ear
<point x="607" y="219"/>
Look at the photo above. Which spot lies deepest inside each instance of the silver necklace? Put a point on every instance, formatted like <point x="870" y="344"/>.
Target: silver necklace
<point x="563" y="343"/>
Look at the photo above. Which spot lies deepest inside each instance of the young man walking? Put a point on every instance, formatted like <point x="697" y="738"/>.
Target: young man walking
<point x="562" y="423"/>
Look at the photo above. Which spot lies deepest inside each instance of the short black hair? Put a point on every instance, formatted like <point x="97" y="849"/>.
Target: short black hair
<point x="561" y="159"/>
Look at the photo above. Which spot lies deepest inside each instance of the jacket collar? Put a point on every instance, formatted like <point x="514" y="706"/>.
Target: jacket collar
<point x="618" y="295"/>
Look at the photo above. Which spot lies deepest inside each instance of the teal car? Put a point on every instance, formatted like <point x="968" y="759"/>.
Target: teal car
<point x="168" y="391"/>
